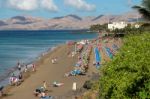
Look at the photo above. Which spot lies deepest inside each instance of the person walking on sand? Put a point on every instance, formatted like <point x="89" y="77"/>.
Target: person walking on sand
<point x="20" y="77"/>
<point x="33" y="67"/>
<point x="53" y="61"/>
<point x="45" y="85"/>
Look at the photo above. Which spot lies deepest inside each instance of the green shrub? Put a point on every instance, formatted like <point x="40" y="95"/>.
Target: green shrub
<point x="127" y="76"/>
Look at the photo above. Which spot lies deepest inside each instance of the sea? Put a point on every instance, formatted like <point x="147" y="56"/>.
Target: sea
<point x="26" y="46"/>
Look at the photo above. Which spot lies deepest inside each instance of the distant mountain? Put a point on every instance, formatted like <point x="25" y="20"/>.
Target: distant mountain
<point x="74" y="17"/>
<point x="2" y="23"/>
<point x="97" y="17"/>
<point x="71" y="17"/>
<point x="21" y="18"/>
<point x="64" y="22"/>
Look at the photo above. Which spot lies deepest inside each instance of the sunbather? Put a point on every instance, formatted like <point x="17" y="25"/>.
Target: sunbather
<point x="38" y="91"/>
<point x="56" y="84"/>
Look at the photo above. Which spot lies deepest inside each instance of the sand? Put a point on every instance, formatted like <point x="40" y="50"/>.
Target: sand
<point x="46" y="71"/>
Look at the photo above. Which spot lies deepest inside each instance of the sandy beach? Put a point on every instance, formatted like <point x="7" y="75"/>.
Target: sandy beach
<point x="49" y="72"/>
<point x="46" y="71"/>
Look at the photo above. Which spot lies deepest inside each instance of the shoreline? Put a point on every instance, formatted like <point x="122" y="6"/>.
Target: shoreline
<point x="4" y="80"/>
<point x="37" y="61"/>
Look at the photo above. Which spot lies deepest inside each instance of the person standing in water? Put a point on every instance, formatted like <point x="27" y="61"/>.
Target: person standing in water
<point x="26" y="68"/>
<point x="19" y="66"/>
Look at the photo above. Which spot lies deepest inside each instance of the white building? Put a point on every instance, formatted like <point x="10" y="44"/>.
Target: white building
<point x="117" y="25"/>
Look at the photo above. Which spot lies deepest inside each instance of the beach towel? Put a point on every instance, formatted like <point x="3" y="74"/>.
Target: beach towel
<point x="75" y="72"/>
<point x="97" y="57"/>
<point x="47" y="97"/>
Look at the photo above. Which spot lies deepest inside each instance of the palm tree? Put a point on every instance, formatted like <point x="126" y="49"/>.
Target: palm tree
<point x="144" y="9"/>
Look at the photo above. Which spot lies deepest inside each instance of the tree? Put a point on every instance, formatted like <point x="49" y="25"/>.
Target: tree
<point x="144" y="9"/>
<point x="99" y="27"/>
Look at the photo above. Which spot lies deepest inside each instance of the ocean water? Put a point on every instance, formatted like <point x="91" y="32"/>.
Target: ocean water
<point x="26" y="46"/>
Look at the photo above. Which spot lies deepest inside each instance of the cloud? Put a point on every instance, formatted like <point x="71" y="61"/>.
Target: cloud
<point x="30" y="5"/>
<point x="49" y="5"/>
<point x="27" y="5"/>
<point x="80" y="5"/>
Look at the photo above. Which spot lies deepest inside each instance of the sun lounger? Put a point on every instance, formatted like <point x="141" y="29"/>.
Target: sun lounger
<point x="76" y="72"/>
<point x="109" y="53"/>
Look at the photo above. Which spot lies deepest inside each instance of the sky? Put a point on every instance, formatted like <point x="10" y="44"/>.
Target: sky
<point x="56" y="8"/>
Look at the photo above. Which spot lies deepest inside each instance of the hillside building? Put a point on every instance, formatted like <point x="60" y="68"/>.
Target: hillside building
<point x="117" y="25"/>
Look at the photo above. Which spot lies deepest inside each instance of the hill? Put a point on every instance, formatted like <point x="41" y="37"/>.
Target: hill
<point x="61" y="23"/>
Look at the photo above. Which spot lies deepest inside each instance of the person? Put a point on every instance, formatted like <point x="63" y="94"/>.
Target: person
<point x="94" y="63"/>
<point x="20" y="77"/>
<point x="1" y="90"/>
<point x="19" y="66"/>
<point x="11" y="79"/>
<point x="43" y="95"/>
<point x="53" y="61"/>
<point x="33" y="67"/>
<point x="55" y="84"/>
<point x="44" y="85"/>
<point x="38" y="91"/>
<point x="14" y="80"/>
<point x="79" y="57"/>
<point x="26" y="69"/>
